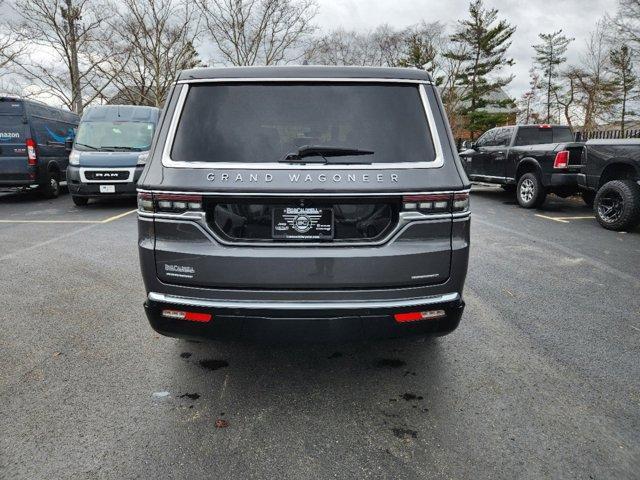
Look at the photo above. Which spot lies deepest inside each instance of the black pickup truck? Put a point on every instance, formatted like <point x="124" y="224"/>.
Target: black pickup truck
<point x="533" y="160"/>
<point x="611" y="176"/>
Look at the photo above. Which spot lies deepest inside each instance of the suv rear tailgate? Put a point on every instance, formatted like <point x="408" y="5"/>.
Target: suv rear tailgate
<point x="419" y="253"/>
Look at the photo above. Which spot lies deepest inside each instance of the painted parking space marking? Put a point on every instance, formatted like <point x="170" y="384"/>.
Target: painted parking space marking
<point x="564" y="219"/>
<point x="106" y="220"/>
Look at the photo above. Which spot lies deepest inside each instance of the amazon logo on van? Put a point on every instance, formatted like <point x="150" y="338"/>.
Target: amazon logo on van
<point x="6" y="136"/>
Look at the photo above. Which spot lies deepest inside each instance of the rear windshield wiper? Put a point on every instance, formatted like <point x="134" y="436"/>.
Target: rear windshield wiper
<point x="325" y="154"/>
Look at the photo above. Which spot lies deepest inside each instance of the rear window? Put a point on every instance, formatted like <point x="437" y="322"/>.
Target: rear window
<point x="11" y="107"/>
<point x="537" y="135"/>
<point x="264" y="122"/>
<point x="12" y="129"/>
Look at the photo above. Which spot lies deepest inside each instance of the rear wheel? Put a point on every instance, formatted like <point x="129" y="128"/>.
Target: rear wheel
<point x="617" y="205"/>
<point x="530" y="191"/>
<point x="79" y="201"/>
<point x="51" y="187"/>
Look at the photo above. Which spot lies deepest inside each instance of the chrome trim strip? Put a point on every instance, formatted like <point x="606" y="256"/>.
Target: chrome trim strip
<point x="314" y="79"/>
<point x="302" y="305"/>
<point x="474" y="176"/>
<point x="84" y="179"/>
<point x="335" y="193"/>
<point x="437" y="162"/>
<point x="404" y="223"/>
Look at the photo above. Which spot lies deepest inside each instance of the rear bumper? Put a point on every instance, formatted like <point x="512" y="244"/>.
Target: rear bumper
<point x="302" y="321"/>
<point x="564" y="180"/>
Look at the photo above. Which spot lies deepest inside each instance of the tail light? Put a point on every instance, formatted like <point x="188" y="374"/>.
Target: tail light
<point x="169" y="203"/>
<point x="436" y="202"/>
<point x="189" y="316"/>
<point x="562" y="159"/>
<point x="32" y="157"/>
<point x="418" y="316"/>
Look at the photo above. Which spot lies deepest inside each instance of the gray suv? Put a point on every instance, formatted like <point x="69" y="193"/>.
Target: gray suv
<point x="320" y="202"/>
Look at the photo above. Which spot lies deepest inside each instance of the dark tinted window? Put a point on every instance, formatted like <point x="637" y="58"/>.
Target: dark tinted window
<point x="503" y="138"/>
<point x="265" y="122"/>
<point x="537" y="135"/>
<point x="487" y="138"/>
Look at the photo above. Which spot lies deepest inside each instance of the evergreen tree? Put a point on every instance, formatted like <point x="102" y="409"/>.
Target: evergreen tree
<point x="624" y="78"/>
<point x="549" y="56"/>
<point x="481" y="43"/>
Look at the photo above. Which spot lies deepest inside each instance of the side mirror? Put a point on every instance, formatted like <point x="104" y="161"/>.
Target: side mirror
<point x="68" y="144"/>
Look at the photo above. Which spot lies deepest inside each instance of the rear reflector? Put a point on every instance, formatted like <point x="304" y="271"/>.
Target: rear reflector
<point x="562" y="159"/>
<point x="418" y="316"/>
<point x="190" y="316"/>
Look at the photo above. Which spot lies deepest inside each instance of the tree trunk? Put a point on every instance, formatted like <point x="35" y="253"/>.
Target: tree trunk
<point x="72" y="17"/>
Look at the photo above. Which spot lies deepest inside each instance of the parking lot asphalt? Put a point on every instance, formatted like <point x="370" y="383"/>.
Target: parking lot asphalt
<point x="541" y="379"/>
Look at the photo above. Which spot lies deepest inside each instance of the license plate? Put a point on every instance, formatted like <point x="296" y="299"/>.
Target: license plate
<point x="302" y="223"/>
<point x="107" y="189"/>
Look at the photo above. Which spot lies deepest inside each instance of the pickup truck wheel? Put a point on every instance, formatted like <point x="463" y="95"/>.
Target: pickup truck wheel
<point x="588" y="197"/>
<point x="617" y="205"/>
<point x="79" y="201"/>
<point x="530" y="191"/>
<point x="51" y="187"/>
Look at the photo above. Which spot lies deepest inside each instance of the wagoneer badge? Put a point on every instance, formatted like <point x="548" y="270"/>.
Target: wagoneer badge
<point x="303" y="177"/>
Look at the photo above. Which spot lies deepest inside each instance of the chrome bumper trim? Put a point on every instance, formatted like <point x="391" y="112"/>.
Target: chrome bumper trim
<point x="288" y="305"/>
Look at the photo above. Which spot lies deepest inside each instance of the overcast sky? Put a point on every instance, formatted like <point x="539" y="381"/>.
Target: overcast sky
<point x="576" y="17"/>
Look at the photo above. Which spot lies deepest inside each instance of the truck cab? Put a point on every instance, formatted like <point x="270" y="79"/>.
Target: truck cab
<point x="110" y="151"/>
<point x="533" y="160"/>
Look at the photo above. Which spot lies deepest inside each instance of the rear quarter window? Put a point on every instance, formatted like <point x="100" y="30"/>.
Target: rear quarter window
<point x="537" y="135"/>
<point x="262" y="122"/>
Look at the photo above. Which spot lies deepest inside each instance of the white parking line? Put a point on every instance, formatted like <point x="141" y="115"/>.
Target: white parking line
<point x="551" y="218"/>
<point x="116" y="217"/>
<point x="564" y="219"/>
<point x="106" y="220"/>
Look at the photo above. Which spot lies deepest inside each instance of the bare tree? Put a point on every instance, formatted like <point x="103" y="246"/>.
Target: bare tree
<point x="595" y="88"/>
<point x="252" y="32"/>
<point x="383" y="46"/>
<point x="424" y="45"/>
<point x="72" y="48"/>
<point x="529" y="100"/>
<point x="625" y="80"/>
<point x="158" y="39"/>
<point x="627" y="23"/>
<point x="565" y="94"/>
<point x="550" y="55"/>
<point x="10" y="45"/>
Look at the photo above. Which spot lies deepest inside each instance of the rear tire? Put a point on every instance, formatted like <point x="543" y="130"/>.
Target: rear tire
<point x="530" y="192"/>
<point x="51" y="187"/>
<point x="80" y="201"/>
<point x="617" y="205"/>
<point x="588" y="197"/>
